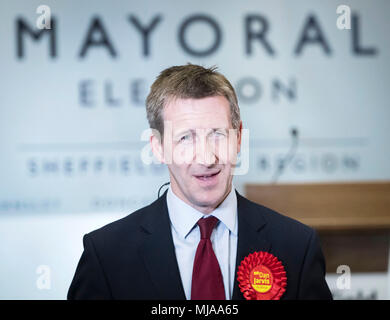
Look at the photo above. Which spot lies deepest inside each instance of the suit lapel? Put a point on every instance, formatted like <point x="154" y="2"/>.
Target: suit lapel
<point x="250" y="236"/>
<point x="158" y="252"/>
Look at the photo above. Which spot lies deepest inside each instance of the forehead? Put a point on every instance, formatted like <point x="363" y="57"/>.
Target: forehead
<point x="209" y="112"/>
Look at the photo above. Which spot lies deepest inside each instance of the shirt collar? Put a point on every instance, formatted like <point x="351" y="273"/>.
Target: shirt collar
<point x="184" y="217"/>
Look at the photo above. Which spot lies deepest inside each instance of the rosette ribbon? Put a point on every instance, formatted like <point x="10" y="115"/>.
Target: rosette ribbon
<point x="261" y="276"/>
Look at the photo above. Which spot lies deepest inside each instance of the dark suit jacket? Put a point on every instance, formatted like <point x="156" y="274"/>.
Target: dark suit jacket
<point x="134" y="257"/>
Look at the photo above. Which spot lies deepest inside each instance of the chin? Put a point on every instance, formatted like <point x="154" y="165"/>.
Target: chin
<point x="208" y="198"/>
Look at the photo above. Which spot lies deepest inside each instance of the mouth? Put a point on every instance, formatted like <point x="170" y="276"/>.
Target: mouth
<point x="207" y="177"/>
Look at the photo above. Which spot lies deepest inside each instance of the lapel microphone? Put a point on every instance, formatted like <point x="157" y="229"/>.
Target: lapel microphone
<point x="158" y="193"/>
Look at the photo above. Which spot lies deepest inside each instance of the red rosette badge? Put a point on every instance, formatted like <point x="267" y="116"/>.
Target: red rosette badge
<point x="261" y="276"/>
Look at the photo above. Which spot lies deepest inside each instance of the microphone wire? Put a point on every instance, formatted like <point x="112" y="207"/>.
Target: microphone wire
<point x="165" y="184"/>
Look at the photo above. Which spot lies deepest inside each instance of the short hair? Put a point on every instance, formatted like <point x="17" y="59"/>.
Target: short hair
<point x="188" y="82"/>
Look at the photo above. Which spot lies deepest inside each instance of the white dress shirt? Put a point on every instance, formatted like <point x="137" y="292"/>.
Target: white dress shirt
<point x="186" y="236"/>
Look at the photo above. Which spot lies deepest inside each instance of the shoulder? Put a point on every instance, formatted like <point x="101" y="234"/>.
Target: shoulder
<point x="278" y="224"/>
<point x="297" y="246"/>
<point x="130" y="226"/>
<point x="290" y="240"/>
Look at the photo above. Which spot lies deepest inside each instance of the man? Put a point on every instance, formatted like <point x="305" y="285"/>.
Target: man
<point x="189" y="243"/>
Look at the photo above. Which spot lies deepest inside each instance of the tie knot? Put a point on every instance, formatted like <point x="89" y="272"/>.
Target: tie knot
<point x="206" y="226"/>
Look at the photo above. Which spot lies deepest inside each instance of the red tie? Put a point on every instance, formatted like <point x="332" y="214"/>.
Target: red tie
<point x="207" y="282"/>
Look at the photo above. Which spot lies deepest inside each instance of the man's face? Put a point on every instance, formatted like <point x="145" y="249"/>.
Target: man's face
<point x="200" y="149"/>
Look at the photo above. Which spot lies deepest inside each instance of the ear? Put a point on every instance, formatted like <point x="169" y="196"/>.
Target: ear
<point x="156" y="145"/>
<point x="239" y="136"/>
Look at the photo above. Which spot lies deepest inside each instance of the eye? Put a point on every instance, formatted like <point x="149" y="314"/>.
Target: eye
<point x="186" y="138"/>
<point x="219" y="134"/>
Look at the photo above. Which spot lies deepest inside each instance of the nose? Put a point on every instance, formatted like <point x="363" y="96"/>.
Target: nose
<point x="205" y="152"/>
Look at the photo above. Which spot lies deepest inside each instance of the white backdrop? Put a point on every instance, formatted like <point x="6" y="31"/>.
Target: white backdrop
<point x="72" y="112"/>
